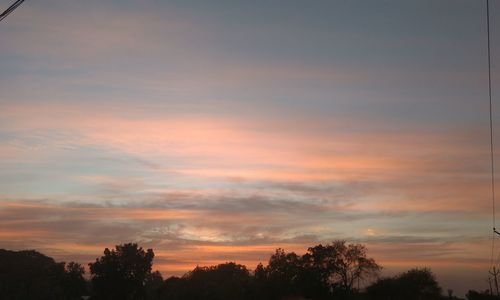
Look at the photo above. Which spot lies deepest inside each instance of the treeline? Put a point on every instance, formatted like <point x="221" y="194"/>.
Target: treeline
<point x="333" y="271"/>
<point x="32" y="275"/>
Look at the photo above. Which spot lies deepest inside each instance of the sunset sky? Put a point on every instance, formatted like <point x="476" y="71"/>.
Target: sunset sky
<point x="215" y="131"/>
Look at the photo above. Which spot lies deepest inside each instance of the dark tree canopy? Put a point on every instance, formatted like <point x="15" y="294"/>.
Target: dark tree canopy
<point x="122" y="273"/>
<point x="231" y="280"/>
<point x="31" y="275"/>
<point x="323" y="271"/>
<point x="330" y="271"/>
<point x="73" y="281"/>
<point x="154" y="285"/>
<point x="484" y="295"/>
<point x="283" y="274"/>
<point x="341" y="265"/>
<point x="415" y="284"/>
<point x="224" y="281"/>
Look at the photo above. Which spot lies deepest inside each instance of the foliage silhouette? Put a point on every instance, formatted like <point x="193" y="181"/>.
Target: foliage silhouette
<point x="415" y="284"/>
<point x="153" y="285"/>
<point x="122" y="273"/>
<point x="485" y="295"/>
<point x="31" y="275"/>
<point x="224" y="281"/>
<point x="330" y="271"/>
<point x="340" y="265"/>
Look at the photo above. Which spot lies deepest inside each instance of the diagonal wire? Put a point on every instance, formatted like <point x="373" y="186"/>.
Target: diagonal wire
<point x="10" y="9"/>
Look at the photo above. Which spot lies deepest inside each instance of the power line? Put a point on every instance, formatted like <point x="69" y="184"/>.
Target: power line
<point x="491" y="114"/>
<point x="10" y="9"/>
<point x="493" y="220"/>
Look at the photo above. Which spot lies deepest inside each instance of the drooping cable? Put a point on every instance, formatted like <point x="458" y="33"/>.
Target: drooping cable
<point x="10" y="9"/>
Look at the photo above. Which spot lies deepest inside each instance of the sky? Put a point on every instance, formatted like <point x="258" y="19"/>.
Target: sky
<point x="215" y="131"/>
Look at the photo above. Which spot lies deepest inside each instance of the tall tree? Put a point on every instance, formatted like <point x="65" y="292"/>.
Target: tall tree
<point x="121" y="273"/>
<point x="283" y="274"/>
<point x="341" y="265"/>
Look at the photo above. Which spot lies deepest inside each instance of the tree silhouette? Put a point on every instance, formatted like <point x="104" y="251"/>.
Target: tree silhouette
<point x="174" y="288"/>
<point x="224" y="281"/>
<point x="153" y="286"/>
<point x="415" y="284"/>
<point x="340" y="265"/>
<point x="323" y="271"/>
<point x="485" y="295"/>
<point x="74" y="284"/>
<point x="329" y="271"/>
<point x="121" y="273"/>
<point x="283" y="273"/>
<point x="31" y="275"/>
<point x="261" y="282"/>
